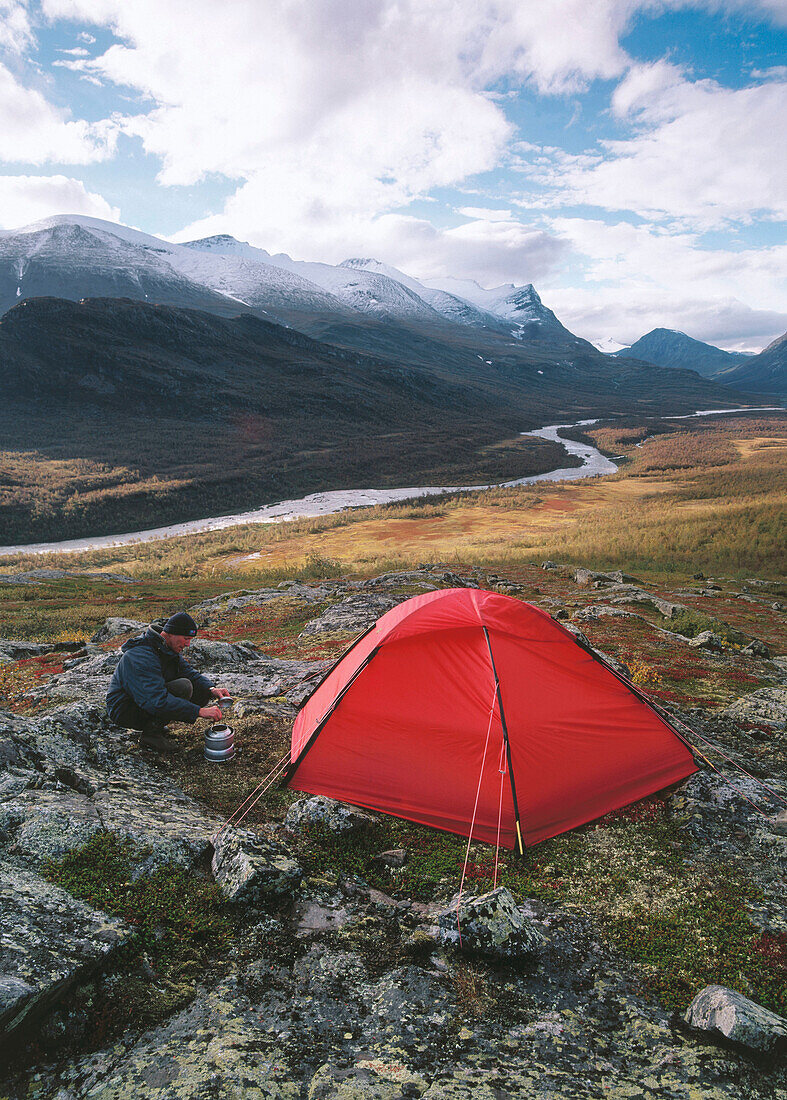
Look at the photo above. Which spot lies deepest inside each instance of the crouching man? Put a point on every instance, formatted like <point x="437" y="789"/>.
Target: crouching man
<point x="153" y="684"/>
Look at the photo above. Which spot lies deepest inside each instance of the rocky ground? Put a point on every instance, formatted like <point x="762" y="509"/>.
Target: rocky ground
<point x="313" y="952"/>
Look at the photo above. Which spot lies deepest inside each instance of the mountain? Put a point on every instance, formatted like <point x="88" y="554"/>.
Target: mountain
<point x="763" y="373"/>
<point x="362" y="302"/>
<point x="609" y="345"/>
<point x="70" y="258"/>
<point x="519" y="305"/>
<point x="668" y="348"/>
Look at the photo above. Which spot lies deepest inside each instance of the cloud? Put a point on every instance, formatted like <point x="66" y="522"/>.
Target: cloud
<point x="16" y="34"/>
<point x="25" y="199"/>
<point x="32" y="131"/>
<point x="483" y="213"/>
<point x="641" y="277"/>
<point x="701" y="154"/>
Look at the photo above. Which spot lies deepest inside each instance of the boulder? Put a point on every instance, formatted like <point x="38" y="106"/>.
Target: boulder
<point x="588" y="577"/>
<point x="353" y="614"/>
<point x="602" y="611"/>
<point x="394" y="857"/>
<point x="728" y="1013"/>
<point x="766" y="706"/>
<point x="492" y="925"/>
<point x="17" y="651"/>
<point x="232" y="601"/>
<point x="428" y="577"/>
<point x="756" y="648"/>
<point x="49" y="941"/>
<point x="115" y="627"/>
<point x="338" y="817"/>
<point x="710" y="641"/>
<point x="206" y="655"/>
<point x="71" y="774"/>
<point x="252" y="868"/>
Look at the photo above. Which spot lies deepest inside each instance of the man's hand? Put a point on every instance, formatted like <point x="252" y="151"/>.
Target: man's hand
<point x="214" y="713"/>
<point x="219" y="693"/>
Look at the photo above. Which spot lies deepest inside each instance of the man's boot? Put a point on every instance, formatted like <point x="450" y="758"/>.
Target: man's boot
<point x="156" y="736"/>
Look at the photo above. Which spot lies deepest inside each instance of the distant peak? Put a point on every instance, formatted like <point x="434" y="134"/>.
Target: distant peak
<point x="357" y="262"/>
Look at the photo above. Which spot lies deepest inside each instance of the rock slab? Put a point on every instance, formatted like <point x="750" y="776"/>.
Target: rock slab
<point x="49" y="940"/>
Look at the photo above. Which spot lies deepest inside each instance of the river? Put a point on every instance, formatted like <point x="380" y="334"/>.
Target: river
<point x="594" y="464"/>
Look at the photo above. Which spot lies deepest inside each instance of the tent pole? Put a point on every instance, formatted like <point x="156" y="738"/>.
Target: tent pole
<point x="520" y="842"/>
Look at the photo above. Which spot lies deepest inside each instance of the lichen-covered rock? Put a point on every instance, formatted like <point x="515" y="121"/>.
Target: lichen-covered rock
<point x="738" y="1019"/>
<point x="424" y="576"/>
<point x="756" y="648"/>
<point x="115" y="627"/>
<point x="204" y="654"/>
<point x="613" y="662"/>
<point x="12" y="650"/>
<point x="49" y="940"/>
<point x="354" y="613"/>
<point x="602" y="611"/>
<point x="211" y="1050"/>
<point x="709" y="640"/>
<point x="253" y="868"/>
<point x="766" y="706"/>
<point x="72" y="774"/>
<point x="492" y="924"/>
<point x="336" y="816"/>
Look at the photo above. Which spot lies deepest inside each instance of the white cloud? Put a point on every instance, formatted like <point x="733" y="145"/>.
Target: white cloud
<point x="25" y="199"/>
<point x="483" y="213"/>
<point x="641" y="277"/>
<point x="702" y="154"/>
<point x="16" y="34"/>
<point x="33" y="131"/>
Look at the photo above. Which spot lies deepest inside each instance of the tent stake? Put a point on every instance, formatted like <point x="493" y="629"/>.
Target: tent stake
<point x="508" y="744"/>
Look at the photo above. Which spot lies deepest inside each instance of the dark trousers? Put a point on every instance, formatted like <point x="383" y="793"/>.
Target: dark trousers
<point x="135" y="718"/>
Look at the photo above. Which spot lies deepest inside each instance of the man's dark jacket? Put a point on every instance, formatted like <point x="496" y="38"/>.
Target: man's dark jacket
<point x="146" y="666"/>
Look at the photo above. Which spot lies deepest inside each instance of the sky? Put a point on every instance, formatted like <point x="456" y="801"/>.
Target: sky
<point x="627" y="157"/>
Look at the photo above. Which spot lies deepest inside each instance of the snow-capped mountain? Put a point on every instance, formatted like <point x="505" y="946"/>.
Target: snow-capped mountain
<point x="519" y="305"/>
<point x="83" y="258"/>
<point x="363" y="291"/>
<point x="79" y="257"/>
<point x="449" y="306"/>
<point x="608" y="345"/>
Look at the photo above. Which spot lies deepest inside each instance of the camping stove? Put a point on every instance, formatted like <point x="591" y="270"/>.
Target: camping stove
<point x="219" y="743"/>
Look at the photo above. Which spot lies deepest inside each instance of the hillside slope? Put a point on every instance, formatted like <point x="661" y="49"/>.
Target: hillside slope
<point x="763" y="373"/>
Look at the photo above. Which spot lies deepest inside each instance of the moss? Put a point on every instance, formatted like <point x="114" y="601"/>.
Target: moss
<point x="179" y="920"/>
<point x="691" y="623"/>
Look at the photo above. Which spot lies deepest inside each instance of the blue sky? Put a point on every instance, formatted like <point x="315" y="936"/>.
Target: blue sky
<point x="623" y="156"/>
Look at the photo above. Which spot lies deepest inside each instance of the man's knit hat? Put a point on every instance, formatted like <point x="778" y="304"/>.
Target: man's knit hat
<point x="180" y="623"/>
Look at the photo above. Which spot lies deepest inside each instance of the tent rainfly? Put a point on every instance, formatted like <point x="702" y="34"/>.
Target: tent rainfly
<point x="479" y="714"/>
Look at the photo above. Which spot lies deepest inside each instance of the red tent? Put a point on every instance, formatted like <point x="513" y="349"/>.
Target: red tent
<point x="465" y="708"/>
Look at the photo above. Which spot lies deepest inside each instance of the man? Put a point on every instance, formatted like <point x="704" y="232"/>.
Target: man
<point x="152" y="683"/>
